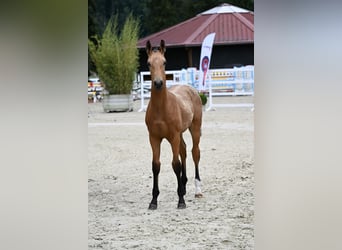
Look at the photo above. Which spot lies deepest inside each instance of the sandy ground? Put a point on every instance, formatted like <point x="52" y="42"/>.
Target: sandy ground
<point x="120" y="183"/>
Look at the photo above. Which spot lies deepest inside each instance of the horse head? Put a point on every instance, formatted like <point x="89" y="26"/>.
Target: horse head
<point x="156" y="63"/>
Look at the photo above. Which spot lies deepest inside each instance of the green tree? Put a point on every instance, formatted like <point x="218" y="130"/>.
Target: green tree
<point x="154" y="15"/>
<point x="92" y="31"/>
<point x="162" y="14"/>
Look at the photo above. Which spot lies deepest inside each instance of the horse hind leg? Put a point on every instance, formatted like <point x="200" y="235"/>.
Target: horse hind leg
<point x="196" y="154"/>
<point x="182" y="153"/>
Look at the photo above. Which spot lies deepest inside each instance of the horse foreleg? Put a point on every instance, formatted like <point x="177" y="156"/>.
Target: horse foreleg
<point x="155" y="144"/>
<point x="155" y="190"/>
<point x="177" y="168"/>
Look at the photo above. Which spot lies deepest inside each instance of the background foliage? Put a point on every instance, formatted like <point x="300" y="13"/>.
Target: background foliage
<point x="153" y="15"/>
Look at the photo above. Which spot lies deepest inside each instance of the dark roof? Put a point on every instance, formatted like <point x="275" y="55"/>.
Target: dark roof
<point x="232" y="25"/>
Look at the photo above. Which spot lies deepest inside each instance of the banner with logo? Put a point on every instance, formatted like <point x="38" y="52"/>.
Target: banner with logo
<point x="207" y="46"/>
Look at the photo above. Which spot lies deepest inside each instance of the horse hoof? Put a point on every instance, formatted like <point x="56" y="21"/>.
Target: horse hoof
<point x="152" y="206"/>
<point x="198" y="195"/>
<point x="181" y="206"/>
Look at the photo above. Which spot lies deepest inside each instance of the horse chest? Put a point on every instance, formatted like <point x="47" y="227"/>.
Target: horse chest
<point x="159" y="127"/>
<point x="160" y="124"/>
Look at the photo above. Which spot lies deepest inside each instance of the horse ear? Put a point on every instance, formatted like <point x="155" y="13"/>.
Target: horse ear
<point x="162" y="46"/>
<point x="148" y="47"/>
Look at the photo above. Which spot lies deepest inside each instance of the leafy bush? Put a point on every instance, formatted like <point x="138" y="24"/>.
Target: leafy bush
<point x="116" y="55"/>
<point x="204" y="98"/>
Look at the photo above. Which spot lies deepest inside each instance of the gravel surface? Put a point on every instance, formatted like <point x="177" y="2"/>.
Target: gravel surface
<point x="120" y="183"/>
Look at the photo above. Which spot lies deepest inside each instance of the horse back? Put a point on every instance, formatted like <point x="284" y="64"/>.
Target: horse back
<point x="188" y="99"/>
<point x="187" y="93"/>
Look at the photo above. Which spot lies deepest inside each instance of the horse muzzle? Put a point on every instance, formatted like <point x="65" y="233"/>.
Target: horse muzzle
<point x="158" y="84"/>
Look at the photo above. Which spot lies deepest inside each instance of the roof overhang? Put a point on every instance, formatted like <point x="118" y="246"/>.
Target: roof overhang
<point x="173" y="46"/>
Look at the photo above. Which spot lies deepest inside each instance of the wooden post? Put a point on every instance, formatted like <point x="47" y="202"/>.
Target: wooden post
<point x="189" y="51"/>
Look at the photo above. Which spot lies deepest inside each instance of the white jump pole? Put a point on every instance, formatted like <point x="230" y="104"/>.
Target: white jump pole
<point x="141" y="93"/>
<point x="210" y="94"/>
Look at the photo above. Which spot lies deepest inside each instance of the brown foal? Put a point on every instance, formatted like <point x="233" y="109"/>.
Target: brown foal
<point x="170" y="112"/>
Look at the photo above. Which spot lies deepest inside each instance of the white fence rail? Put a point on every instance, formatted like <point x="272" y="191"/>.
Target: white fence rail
<point x="220" y="82"/>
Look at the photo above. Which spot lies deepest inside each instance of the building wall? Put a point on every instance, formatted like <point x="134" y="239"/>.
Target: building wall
<point x="227" y="56"/>
<point x="222" y="57"/>
<point x="176" y="59"/>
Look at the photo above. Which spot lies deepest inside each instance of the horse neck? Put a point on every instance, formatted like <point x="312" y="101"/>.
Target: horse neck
<point x="159" y="97"/>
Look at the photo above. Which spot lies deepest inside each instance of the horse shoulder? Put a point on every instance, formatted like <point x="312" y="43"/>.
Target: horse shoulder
<point x="183" y="103"/>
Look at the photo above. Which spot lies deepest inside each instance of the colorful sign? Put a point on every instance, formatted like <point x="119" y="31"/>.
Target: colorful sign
<point x="206" y="49"/>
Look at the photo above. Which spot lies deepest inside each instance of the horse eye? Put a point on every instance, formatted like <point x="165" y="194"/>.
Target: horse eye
<point x="164" y="63"/>
<point x="148" y="64"/>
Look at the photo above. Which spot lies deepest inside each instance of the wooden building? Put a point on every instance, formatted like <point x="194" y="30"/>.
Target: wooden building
<point x="233" y="44"/>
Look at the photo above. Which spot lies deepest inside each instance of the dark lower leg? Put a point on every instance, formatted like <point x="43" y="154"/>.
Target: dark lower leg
<point x="177" y="167"/>
<point x="184" y="179"/>
<point x="155" y="190"/>
<point x="197" y="173"/>
<point x="182" y="152"/>
<point x="196" y="157"/>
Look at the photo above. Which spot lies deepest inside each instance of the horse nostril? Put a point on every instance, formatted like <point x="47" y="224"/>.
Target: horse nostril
<point x="158" y="83"/>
